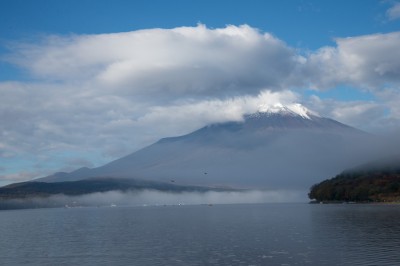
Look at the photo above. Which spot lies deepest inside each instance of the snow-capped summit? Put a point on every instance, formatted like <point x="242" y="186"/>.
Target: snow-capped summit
<point x="295" y="109"/>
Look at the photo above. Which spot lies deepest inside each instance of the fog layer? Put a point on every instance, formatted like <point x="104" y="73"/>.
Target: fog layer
<point x="155" y="198"/>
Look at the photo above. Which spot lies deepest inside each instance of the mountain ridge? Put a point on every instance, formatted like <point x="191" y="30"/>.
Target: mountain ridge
<point x="268" y="150"/>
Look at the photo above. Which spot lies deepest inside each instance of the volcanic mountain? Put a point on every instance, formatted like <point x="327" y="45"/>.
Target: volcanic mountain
<point x="279" y="147"/>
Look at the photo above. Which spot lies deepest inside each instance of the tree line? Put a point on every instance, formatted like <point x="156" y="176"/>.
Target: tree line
<point x="372" y="185"/>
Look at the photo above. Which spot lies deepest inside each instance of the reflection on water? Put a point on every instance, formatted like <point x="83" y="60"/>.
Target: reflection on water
<point x="248" y="234"/>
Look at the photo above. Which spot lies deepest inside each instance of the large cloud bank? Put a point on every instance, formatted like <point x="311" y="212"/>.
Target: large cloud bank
<point x="187" y="60"/>
<point x="103" y="96"/>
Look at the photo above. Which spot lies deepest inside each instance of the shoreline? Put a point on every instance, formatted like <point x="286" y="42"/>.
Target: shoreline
<point x="357" y="202"/>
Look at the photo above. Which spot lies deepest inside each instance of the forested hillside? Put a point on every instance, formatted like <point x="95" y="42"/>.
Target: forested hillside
<point x="373" y="182"/>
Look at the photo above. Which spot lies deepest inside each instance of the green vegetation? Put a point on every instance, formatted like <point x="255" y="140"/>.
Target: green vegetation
<point x="374" y="182"/>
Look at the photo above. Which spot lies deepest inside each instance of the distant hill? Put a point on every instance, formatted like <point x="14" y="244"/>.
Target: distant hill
<point x="377" y="181"/>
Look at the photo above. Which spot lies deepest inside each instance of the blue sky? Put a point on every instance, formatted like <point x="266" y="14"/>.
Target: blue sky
<point x="84" y="82"/>
<point x="300" y="23"/>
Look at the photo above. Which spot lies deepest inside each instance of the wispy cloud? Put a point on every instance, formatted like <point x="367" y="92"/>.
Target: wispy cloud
<point x="17" y="177"/>
<point x="393" y="12"/>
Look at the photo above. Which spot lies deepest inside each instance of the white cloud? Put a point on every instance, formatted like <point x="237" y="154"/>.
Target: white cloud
<point x="366" y="115"/>
<point x="195" y="114"/>
<point x="370" y="61"/>
<point x="185" y="60"/>
<point x="34" y="123"/>
<point x="393" y="12"/>
<point x="111" y="94"/>
<point x="188" y="62"/>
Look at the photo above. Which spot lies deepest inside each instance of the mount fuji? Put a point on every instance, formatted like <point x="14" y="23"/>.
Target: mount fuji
<point x="278" y="147"/>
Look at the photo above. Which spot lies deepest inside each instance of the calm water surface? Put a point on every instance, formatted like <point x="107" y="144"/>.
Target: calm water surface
<point x="248" y="234"/>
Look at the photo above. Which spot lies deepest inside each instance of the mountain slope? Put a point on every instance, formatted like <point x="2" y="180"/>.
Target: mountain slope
<point x="278" y="148"/>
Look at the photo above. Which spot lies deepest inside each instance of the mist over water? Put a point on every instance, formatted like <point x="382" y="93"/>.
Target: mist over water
<point x="153" y="197"/>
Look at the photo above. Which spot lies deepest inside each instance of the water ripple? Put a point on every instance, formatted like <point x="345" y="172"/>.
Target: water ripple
<point x="259" y="234"/>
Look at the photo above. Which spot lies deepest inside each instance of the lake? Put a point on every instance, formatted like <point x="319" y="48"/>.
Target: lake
<point x="242" y="234"/>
